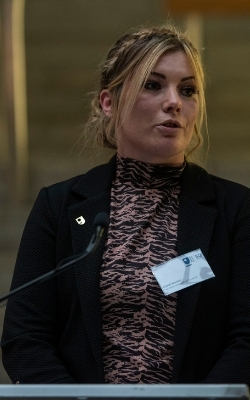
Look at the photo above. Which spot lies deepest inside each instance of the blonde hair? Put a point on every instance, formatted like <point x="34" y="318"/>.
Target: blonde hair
<point x="130" y="60"/>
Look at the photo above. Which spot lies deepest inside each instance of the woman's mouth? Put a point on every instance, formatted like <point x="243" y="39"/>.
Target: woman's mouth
<point x="171" y="124"/>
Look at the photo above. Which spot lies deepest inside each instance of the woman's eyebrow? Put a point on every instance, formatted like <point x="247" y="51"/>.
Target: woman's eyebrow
<point x="158" y="74"/>
<point x="164" y="77"/>
<point x="188" y="78"/>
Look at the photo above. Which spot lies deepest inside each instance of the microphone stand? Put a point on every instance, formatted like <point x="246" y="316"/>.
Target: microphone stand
<point x="92" y="246"/>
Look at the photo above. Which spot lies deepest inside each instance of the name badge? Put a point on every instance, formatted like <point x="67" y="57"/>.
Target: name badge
<point x="182" y="271"/>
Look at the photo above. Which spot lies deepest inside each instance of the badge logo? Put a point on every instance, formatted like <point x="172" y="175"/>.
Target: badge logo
<point x="186" y="261"/>
<point x="80" y="220"/>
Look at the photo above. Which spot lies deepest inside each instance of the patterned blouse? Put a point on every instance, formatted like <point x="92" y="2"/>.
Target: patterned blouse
<point x="138" y="320"/>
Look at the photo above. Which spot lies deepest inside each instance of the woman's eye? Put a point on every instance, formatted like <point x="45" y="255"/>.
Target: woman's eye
<point x="188" y="91"/>
<point x="152" y="85"/>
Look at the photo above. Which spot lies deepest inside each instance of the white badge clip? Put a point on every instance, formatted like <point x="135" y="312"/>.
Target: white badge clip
<point x="182" y="271"/>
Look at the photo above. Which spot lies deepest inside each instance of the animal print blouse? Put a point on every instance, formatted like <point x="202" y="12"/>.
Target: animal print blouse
<point x="138" y="320"/>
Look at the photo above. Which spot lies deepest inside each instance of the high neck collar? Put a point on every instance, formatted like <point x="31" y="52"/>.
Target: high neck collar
<point x="140" y="174"/>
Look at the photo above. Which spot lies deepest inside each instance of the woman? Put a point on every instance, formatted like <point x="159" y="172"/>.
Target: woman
<point x="107" y="319"/>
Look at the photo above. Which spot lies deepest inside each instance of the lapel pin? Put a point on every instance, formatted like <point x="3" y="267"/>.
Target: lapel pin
<point x="80" y="220"/>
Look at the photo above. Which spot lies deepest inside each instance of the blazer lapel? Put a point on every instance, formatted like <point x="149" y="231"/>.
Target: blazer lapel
<point x="95" y="187"/>
<point x="195" y="226"/>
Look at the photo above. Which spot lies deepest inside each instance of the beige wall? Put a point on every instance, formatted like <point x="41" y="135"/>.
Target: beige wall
<point x="227" y="57"/>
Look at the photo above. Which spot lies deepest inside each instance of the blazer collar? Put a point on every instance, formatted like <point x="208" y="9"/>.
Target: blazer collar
<point x="196" y="184"/>
<point x="96" y="181"/>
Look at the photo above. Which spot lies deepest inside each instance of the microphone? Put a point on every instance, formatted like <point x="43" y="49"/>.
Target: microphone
<point x="100" y="226"/>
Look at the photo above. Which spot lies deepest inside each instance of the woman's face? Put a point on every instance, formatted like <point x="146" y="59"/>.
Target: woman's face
<point x="159" y="128"/>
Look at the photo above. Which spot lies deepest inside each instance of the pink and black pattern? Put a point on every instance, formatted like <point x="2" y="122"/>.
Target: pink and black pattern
<point x="138" y="320"/>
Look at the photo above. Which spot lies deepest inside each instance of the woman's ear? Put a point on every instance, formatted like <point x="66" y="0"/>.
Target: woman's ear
<point x="105" y="101"/>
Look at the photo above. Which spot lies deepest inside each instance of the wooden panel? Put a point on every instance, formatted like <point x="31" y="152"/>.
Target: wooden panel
<point x="207" y="7"/>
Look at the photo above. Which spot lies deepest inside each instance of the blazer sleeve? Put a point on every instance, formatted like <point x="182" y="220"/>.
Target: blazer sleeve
<point x="31" y="326"/>
<point x="234" y="364"/>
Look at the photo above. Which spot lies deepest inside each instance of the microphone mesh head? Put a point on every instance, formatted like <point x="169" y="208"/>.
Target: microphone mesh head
<point x="101" y="219"/>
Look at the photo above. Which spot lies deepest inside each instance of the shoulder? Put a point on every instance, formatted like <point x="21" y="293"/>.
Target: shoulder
<point x="231" y="192"/>
<point x="62" y="195"/>
<point x="233" y="197"/>
<point x="210" y="189"/>
<point x="198" y="175"/>
<point x="81" y="183"/>
<point x="227" y="184"/>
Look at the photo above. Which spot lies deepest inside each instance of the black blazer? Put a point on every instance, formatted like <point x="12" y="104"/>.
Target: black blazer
<point x="53" y="333"/>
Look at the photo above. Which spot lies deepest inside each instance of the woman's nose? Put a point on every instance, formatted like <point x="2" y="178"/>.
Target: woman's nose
<point x="172" y="101"/>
